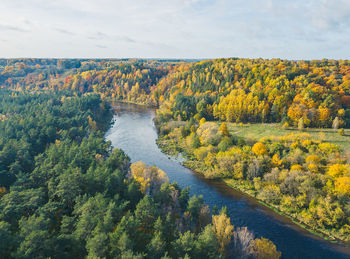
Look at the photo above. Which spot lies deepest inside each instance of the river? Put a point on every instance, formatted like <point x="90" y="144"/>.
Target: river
<point x="133" y="131"/>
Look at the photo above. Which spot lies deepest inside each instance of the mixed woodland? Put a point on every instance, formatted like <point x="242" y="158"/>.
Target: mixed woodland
<point x="65" y="193"/>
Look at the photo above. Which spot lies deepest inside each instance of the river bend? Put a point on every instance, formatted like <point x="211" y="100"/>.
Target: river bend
<point x="133" y="131"/>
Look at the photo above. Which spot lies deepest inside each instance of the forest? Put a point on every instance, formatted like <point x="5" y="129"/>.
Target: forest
<point x="65" y="193"/>
<point x="294" y="93"/>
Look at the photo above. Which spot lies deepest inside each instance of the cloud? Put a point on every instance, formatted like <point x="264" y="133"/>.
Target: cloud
<point x="331" y="15"/>
<point x="177" y="28"/>
<point x="100" y="46"/>
<point x="98" y="35"/>
<point x="12" y="28"/>
<point x="65" y="31"/>
<point x="110" y="37"/>
<point x="325" y="15"/>
<point x="126" y="39"/>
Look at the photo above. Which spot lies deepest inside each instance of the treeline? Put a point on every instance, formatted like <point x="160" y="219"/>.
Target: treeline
<point x="233" y="90"/>
<point x="65" y="194"/>
<point x="130" y="80"/>
<point x="258" y="90"/>
<point x="23" y="74"/>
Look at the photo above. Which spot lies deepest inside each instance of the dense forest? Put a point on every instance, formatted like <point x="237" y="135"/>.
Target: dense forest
<point x="130" y="80"/>
<point x="64" y="193"/>
<point x="312" y="93"/>
<point x="244" y="90"/>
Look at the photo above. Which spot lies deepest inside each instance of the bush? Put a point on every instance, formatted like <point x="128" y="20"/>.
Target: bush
<point x="285" y="125"/>
<point x="225" y="143"/>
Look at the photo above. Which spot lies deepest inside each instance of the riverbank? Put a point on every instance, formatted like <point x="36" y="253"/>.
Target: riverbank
<point x="113" y="101"/>
<point x="135" y="133"/>
<point x="172" y="148"/>
<point x="317" y="232"/>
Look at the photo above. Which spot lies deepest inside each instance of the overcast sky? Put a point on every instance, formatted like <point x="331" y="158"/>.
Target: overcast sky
<point x="292" y="29"/>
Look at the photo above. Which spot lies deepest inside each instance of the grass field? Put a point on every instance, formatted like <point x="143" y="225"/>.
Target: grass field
<point x="258" y="131"/>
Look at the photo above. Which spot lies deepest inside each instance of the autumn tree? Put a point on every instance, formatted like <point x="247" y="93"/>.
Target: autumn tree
<point x="223" y="129"/>
<point x="338" y="170"/>
<point x="223" y="230"/>
<point x="262" y="248"/>
<point x="259" y="149"/>
<point x="342" y="185"/>
<point x="150" y="178"/>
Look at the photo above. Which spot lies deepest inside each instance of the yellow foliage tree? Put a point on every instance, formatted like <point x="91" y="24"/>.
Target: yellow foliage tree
<point x="341" y="132"/>
<point x="262" y="248"/>
<point x="313" y="168"/>
<point x="239" y="106"/>
<point x="202" y="121"/>
<point x="259" y="149"/>
<point x="342" y="185"/>
<point x="276" y="161"/>
<point x="150" y="178"/>
<point x="92" y="123"/>
<point x="324" y="116"/>
<point x="313" y="159"/>
<point x="223" y="230"/>
<point x="338" y="170"/>
<point x="296" y="168"/>
<point x="223" y="129"/>
<point x="208" y="132"/>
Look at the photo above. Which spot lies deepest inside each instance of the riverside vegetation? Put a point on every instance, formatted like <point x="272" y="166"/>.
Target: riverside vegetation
<point x="296" y="173"/>
<point x="202" y="107"/>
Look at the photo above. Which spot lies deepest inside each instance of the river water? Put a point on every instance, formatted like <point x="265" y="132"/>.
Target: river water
<point x="134" y="132"/>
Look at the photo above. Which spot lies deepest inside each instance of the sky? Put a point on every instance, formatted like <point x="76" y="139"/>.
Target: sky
<point x="288" y="29"/>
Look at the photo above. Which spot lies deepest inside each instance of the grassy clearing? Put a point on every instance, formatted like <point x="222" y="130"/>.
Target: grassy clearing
<point x="258" y="131"/>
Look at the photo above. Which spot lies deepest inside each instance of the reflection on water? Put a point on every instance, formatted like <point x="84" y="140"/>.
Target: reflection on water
<point x="134" y="132"/>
